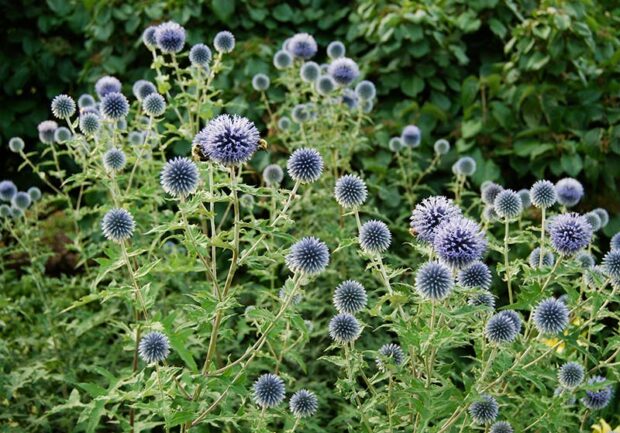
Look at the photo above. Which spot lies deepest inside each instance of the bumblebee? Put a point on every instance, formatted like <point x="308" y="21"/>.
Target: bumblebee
<point x="198" y="154"/>
<point x="263" y="144"/>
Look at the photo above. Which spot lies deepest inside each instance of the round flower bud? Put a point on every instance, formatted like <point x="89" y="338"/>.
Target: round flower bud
<point x="229" y="140"/>
<point x="325" y="84"/>
<point x="200" y="55"/>
<point x="7" y="190"/>
<point x="569" y="233"/>
<point x="21" y="200"/>
<point x="303" y="403"/>
<point x="34" y="193"/>
<point x="273" y="175"/>
<point x="308" y="256"/>
<point x="284" y="123"/>
<point x="603" y="216"/>
<point x="570" y="191"/>
<point x="489" y="214"/>
<point x="543" y="194"/>
<point x="392" y="353"/>
<point x="484" y="411"/>
<point x="310" y="72"/>
<point x="611" y="264"/>
<point x="260" y="82"/>
<point x="16" y="144"/>
<point x="508" y="204"/>
<point x="62" y="135"/>
<point x="585" y="260"/>
<point x="46" y="131"/>
<point x="489" y="191"/>
<point x="551" y="316"/>
<point x="593" y="219"/>
<point x="501" y="427"/>
<point x="441" y="146"/>
<point x="89" y="124"/>
<point x="614" y="243"/>
<point x="114" y="106"/>
<point x="86" y="101"/>
<point x="63" y="106"/>
<point x="434" y="281"/>
<point x="466" y="166"/>
<point x="170" y="37"/>
<point x="343" y="70"/>
<point x="428" y="215"/>
<point x="482" y="299"/>
<point x="224" y="42"/>
<point x="269" y="391"/>
<point x="350" y="297"/>
<point x="459" y="242"/>
<point x="179" y="177"/>
<point x="365" y="90"/>
<point x="411" y="136"/>
<point x="475" y="275"/>
<point x="154" y="347"/>
<point x="106" y="85"/>
<point x="336" y="50"/>
<point x="344" y="328"/>
<point x="5" y="211"/>
<point x="350" y="191"/>
<point x="534" y="258"/>
<point x="571" y="374"/>
<point x="143" y="88"/>
<point x="148" y="37"/>
<point x="305" y="165"/>
<point x="282" y="59"/>
<point x="114" y="160"/>
<point x="395" y="144"/>
<point x="500" y="329"/>
<point x="375" y="237"/>
<point x="117" y="225"/>
<point x="302" y="46"/>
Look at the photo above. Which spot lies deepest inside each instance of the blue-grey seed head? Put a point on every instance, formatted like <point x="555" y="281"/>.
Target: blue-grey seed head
<point x="514" y="317"/>
<point x="273" y="175"/>
<point x="284" y="123"/>
<point x="114" y="160"/>
<point x="302" y="46"/>
<point x="200" y="55"/>
<point x="350" y="297"/>
<point x="260" y="82"/>
<point x="309" y="256"/>
<point x="107" y="84"/>
<point x="170" y="37"/>
<point x="428" y="215"/>
<point x="180" y="177"/>
<point x="344" y="328"/>
<point x="585" y="259"/>
<point x="5" y="211"/>
<point x="571" y="374"/>
<point x="63" y="106"/>
<point x="16" y="144"/>
<point x="310" y="72"/>
<point x="395" y="144"/>
<point x="224" y="42"/>
<point x="375" y="237"/>
<point x="543" y="194"/>
<point x="434" y="281"/>
<point x="350" y="191"/>
<point x="551" y="316"/>
<point x="336" y="50"/>
<point x="229" y="140"/>
<point x="508" y="204"/>
<point x="611" y="264"/>
<point x="269" y="390"/>
<point x="501" y="427"/>
<point x="154" y="347"/>
<point x="484" y="410"/>
<point x="114" y="106"/>
<point x="569" y="233"/>
<point x="86" y="101"/>
<point x="489" y="214"/>
<point x="117" y="225"/>
<point x="593" y="219"/>
<point x="500" y="329"/>
<point x="459" y="242"/>
<point x="148" y="37"/>
<point x="305" y="165"/>
<point x="154" y="105"/>
<point x="476" y="275"/>
<point x="614" y="243"/>
<point x="303" y="403"/>
<point x="482" y="299"/>
<point x="534" y="258"/>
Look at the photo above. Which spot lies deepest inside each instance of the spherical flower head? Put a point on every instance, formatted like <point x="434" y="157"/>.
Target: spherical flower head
<point x="117" y="225"/>
<point x="5" y="211"/>
<point x="365" y="90"/>
<point x="114" y="106"/>
<point x="305" y="165"/>
<point x="154" y="105"/>
<point x="500" y="329"/>
<point x="343" y="70"/>
<point x="273" y="175"/>
<point x="593" y="219"/>
<point x="7" y="190"/>
<point x="485" y="410"/>
<point x="392" y="353"/>
<point x="543" y="194"/>
<point x="350" y="297"/>
<point x="302" y="46"/>
<point x="482" y="299"/>
<point x="344" y="328"/>
<point x="269" y="390"/>
<point x="16" y="144"/>
<point x="571" y="374"/>
<point x="143" y="88"/>
<point x="526" y="200"/>
<point x="598" y="398"/>
<point x="303" y="403"/>
<point x="395" y="144"/>
<point x="375" y="237"/>
<point x="229" y="140"/>
<point x="611" y="264"/>
<point x="508" y="204"/>
<point x="585" y="260"/>
<point x="106" y="85"/>
<point x="336" y="50"/>
<point x="260" y="82"/>
<point x="200" y="55"/>
<point x="310" y="72"/>
<point x="434" y="281"/>
<point x="534" y="258"/>
<point x="148" y="37"/>
<point x="475" y="275"/>
<point x="34" y="193"/>
<point x="21" y="200"/>
<point x="63" y="106"/>
<point x="514" y="317"/>
<point x="308" y="256"/>
<point x="350" y="191"/>
<point x="114" y="160"/>
<point x="411" y="136"/>
<point x="441" y="146"/>
<point x="282" y="59"/>
<point x="224" y="42"/>
<point x="465" y="166"/>
<point x="170" y="37"/>
<point x="569" y="233"/>
<point x="428" y="215"/>
<point x="86" y="101"/>
<point x="284" y="123"/>
<point x="180" y="177"/>
<point x="501" y="427"/>
<point x="489" y="191"/>
<point x="459" y="242"/>
<point x="154" y="347"/>
<point x="603" y="215"/>
<point x="89" y="124"/>
<point x="551" y="316"/>
<point x="62" y="135"/>
<point x="46" y="131"/>
<point x="570" y="191"/>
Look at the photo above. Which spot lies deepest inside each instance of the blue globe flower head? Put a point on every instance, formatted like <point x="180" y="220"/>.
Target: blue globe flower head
<point x="148" y="37"/>
<point x="310" y="72"/>
<point x="593" y="219"/>
<point x="46" y="131"/>
<point x="282" y="59"/>
<point x="117" y="225"/>
<point x="441" y="146"/>
<point x="350" y="297"/>
<point x="543" y="194"/>
<point x="585" y="260"/>
<point x="154" y="105"/>
<point x="260" y="82"/>
<point x="62" y="135"/>
<point x="200" y="55"/>
<point x="284" y="123"/>
<point x="508" y="204"/>
<point x="534" y="258"/>
<point x="411" y="136"/>
<point x="603" y="215"/>
<point x="309" y="256"/>
<point x="143" y="88"/>
<point x="428" y="215"/>
<point x="303" y="403"/>
<point x="466" y="166"/>
<point x="484" y="410"/>
<point x="170" y="37"/>
<point x="300" y="113"/>
<point x="89" y="124"/>
<point x="180" y="177"/>
<point x="21" y="200"/>
<point x="269" y="390"/>
<point x="63" y="106"/>
<point x="114" y="106"/>
<point x="514" y="317"/>
<point x="344" y="328"/>
<point x="5" y="211"/>
<point x="305" y="165"/>
<point x="489" y="214"/>
<point x="476" y="275"/>
<point x="34" y="193"/>
<point x="611" y="264"/>
<point x="336" y="50"/>
<point x="526" y="200"/>
<point x="434" y="281"/>
<point x="500" y="329"/>
<point x="551" y="316"/>
<point x="390" y="353"/>
<point x="273" y="175"/>
<point x="570" y="191"/>
<point x="106" y="85"/>
<point x="395" y="144"/>
<point x="114" y="160"/>
<point x="7" y="190"/>
<point x="325" y="84"/>
<point x="86" y="101"/>
<point x="501" y="427"/>
<point x="350" y="191"/>
<point x="569" y="233"/>
<point x="485" y="299"/>
<point x="343" y="70"/>
<point x="349" y="98"/>
<point x="375" y="237"/>
<point x="16" y="144"/>
<point x="489" y="191"/>
<point x="571" y="374"/>
<point x="614" y="243"/>
<point x="459" y="242"/>
<point x="154" y="347"/>
<point x="303" y="46"/>
<point x="598" y="398"/>
<point x="365" y="90"/>
<point x="224" y="42"/>
<point x="229" y="140"/>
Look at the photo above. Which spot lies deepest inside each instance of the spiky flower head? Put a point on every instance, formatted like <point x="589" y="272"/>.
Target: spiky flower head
<point x="395" y="144"/>
<point x="514" y="317"/>
<point x="585" y="259"/>
<point x="34" y="193"/>
<point x="501" y="427"/>
<point x="309" y="256"/>
<point x="392" y="353"/>
<point x="89" y="124"/>
<point x="86" y="101"/>
<point x="21" y="200"/>
<point x="482" y="299"/>
<point x="224" y="42"/>
<point x="303" y="403"/>
<point x="569" y="233"/>
<point x="336" y="50"/>
<point x="365" y="90"/>
<point x="143" y="88"/>
<point x="500" y="329"/>
<point x="543" y="194"/>
<point x="466" y="166"/>
<point x="170" y="37"/>
<point x="484" y="410"/>
<point x="343" y="70"/>
<point x="428" y="215"/>
<point x="148" y="37"/>
<point x="106" y="85"/>
<point x="344" y="328"/>
<point x="260" y="82"/>
<point x="411" y="136"/>
<point x="375" y="237"/>
<point x="7" y="190"/>
<point x="46" y="131"/>
<point x="114" y="159"/>
<point x="459" y="242"/>
<point x="269" y="390"/>
<point x="117" y="225"/>
<point x="114" y="106"/>
<point x="200" y="55"/>
<point x="350" y="297"/>
<point x="489" y="191"/>
<point x="282" y="59"/>
<point x="16" y="144"/>
<point x="350" y="191"/>
<point x="551" y="316"/>
<point x="180" y="177"/>
<point x="302" y="45"/>
<point x="534" y="258"/>
<point x="611" y="264"/>
<point x="598" y="398"/>
<point x="305" y="165"/>
<point x="63" y="106"/>
<point x="229" y="140"/>
<point x="273" y="175"/>
<point x="570" y="191"/>
<point x="603" y="216"/>
<point x="508" y="204"/>
<point x="571" y="374"/>
<point x="475" y="275"/>
<point x="434" y="281"/>
<point x="441" y="146"/>
<point x="284" y="123"/>
<point x="526" y="200"/>
<point x="62" y="135"/>
<point x="310" y="72"/>
<point x="325" y="84"/>
<point x="154" y="347"/>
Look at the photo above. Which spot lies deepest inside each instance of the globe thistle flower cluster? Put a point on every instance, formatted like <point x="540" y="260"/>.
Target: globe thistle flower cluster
<point x="21" y="200"/>
<point x="543" y="194"/>
<point x="325" y="85"/>
<point x="273" y="175"/>
<point x="459" y="242"/>
<point x="228" y="140"/>
<point x="599" y="398"/>
<point x="180" y="177"/>
<point x="526" y="200"/>
<point x="114" y="106"/>
<point x="86" y="101"/>
<point x="34" y="193"/>
<point x="485" y="299"/>
<point x="350" y="191"/>
<point x="200" y="55"/>
<point x="392" y="353"/>
<point x="465" y="166"/>
<point x="282" y="59"/>
<point x="344" y="328"/>
<point x="502" y="327"/>
<point x="571" y="374"/>
<point x="551" y="316"/>
<point x="308" y="256"/>
<point x="170" y="37"/>
<point x="310" y="72"/>
<point x="489" y="191"/>
<point x="260" y="82"/>
<point x="441" y="146"/>
<point x="224" y="42"/>
<point x="143" y="88"/>
<point x="585" y="260"/>
<point x="106" y="85"/>
<point x="434" y="281"/>
<point x="154" y="347"/>
<point x="117" y="225"/>
<point x="303" y="403"/>
<point x="114" y="160"/>
<point x="428" y="215"/>
<point x="395" y="144"/>
<point x="611" y="264"/>
<point x="484" y="410"/>
<point x="7" y="190"/>
<point x="336" y="50"/>
<point x="89" y="124"/>
<point x="343" y="70"/>
<point x="534" y="258"/>
<point x="63" y="106"/>
<point x="350" y="297"/>
<point x="366" y="90"/>
<point x="16" y="144"/>
<point x="62" y="135"/>
<point x="269" y="390"/>
<point x="614" y="243"/>
<point x="305" y="165"/>
<point x="569" y="191"/>
<point x="46" y="131"/>
<point x="569" y="233"/>
<point x="302" y="46"/>
<point x="375" y="237"/>
<point x="603" y="215"/>
<point x="501" y="427"/>
<point x="411" y="136"/>
<point x="154" y="105"/>
<point x="594" y="220"/>
<point x="284" y="123"/>
<point x="476" y="275"/>
<point x="508" y="204"/>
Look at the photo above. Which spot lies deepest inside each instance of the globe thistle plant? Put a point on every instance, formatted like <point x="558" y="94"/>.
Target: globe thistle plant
<point x="570" y="191"/>
<point x="508" y="204"/>
<point x="302" y="46"/>
<point x="63" y="106"/>
<point x="268" y="390"/>
<point x="485" y="410"/>
<point x="350" y="191"/>
<point x="434" y="281"/>
<point x="282" y="59"/>
<point x="392" y="353"/>
<point x="428" y="215"/>
<point x="500" y="329"/>
<point x="7" y="190"/>
<point x="344" y="328"/>
<point x="180" y="177"/>
<point x="350" y="297"/>
<point x="114" y="160"/>
<point x="571" y="374"/>
<point x="114" y="106"/>
<point x="466" y="166"/>
<point x="46" y="131"/>
<point x="475" y="275"/>
<point x="117" y="225"/>
<point x="200" y="55"/>
<point x="441" y="146"/>
<point x="543" y="194"/>
<point x="343" y="70"/>
<point x="228" y="140"/>
<point x="260" y="82"/>
<point x="459" y="242"/>
<point x="411" y="136"/>
<point x="551" y="316"/>
<point x="569" y="233"/>
<point x="21" y="200"/>
<point x="170" y="37"/>
<point x="501" y="427"/>
<point x="154" y="347"/>
<point x="224" y="42"/>
<point x="534" y="258"/>
<point x="375" y="237"/>
<point x="89" y="124"/>
<point x="143" y="88"/>
<point x="106" y="85"/>
<point x="308" y="256"/>
<point x="303" y="403"/>
<point x="325" y="84"/>
<point x="336" y="50"/>
<point x="273" y="175"/>
<point x="365" y="90"/>
<point x="599" y="398"/>
<point x="489" y="191"/>
<point x="305" y="165"/>
<point x="16" y="144"/>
